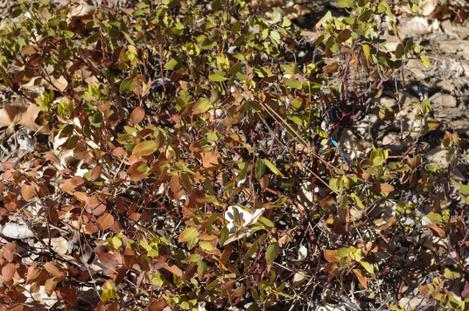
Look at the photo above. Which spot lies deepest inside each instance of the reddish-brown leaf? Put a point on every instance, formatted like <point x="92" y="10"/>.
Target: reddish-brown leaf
<point x="91" y="228"/>
<point x="138" y="171"/>
<point x="438" y="230"/>
<point x="9" y="251"/>
<point x="137" y="115"/>
<point x="95" y="172"/>
<point x="8" y="271"/>
<point x="157" y="305"/>
<point x="105" y="221"/>
<point x="119" y="152"/>
<point x="69" y="185"/>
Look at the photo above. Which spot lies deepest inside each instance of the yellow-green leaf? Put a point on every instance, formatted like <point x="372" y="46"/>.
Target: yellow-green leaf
<point x="218" y="76"/>
<point x="190" y="236"/>
<point x="201" y="106"/>
<point x="425" y="61"/>
<point x="156" y="280"/>
<point x="145" y="148"/>
<point x="345" y="3"/>
<point x="368" y="267"/>
<point x="271" y="253"/>
<point x="273" y="168"/>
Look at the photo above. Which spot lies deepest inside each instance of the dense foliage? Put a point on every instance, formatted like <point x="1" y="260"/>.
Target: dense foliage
<point x="200" y="153"/>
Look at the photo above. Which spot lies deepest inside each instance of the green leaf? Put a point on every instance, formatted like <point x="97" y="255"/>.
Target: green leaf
<point x="207" y="246"/>
<point x="218" y="76"/>
<point x="156" y="280"/>
<point x="294" y="84"/>
<point x="116" y="241"/>
<point x="271" y="253"/>
<point x="145" y="148"/>
<point x="273" y="168"/>
<point x="108" y="293"/>
<point x="451" y="274"/>
<point x="201" y="106"/>
<point x="464" y="189"/>
<point x="357" y="200"/>
<point x="96" y="119"/>
<point x="345" y="3"/>
<point x="190" y="236"/>
<point x="275" y="36"/>
<point x="260" y="169"/>
<point x="368" y="267"/>
<point x="425" y="61"/>
<point x="171" y="64"/>
<point x="127" y="85"/>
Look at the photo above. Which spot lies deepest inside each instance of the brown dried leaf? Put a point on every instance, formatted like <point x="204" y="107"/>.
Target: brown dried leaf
<point x="69" y="185"/>
<point x="137" y="116"/>
<point x="105" y="221"/>
<point x="386" y="188"/>
<point x="138" y="171"/>
<point x="54" y="270"/>
<point x="363" y="280"/>
<point x="50" y="285"/>
<point x="9" y="251"/>
<point x="331" y="255"/>
<point x="28" y="192"/>
<point x="210" y="159"/>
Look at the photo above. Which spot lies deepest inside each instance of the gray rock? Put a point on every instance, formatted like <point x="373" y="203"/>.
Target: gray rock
<point x="414" y="27"/>
<point x="444" y="100"/>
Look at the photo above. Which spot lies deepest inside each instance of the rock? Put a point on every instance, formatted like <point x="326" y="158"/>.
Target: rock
<point x="455" y="47"/>
<point x="299" y="277"/>
<point x="394" y="142"/>
<point x="17" y="231"/>
<point x="427" y="7"/>
<point x="446" y="85"/>
<point x="414" y="303"/>
<point x="444" y="100"/>
<point x="438" y="156"/>
<point x="302" y="253"/>
<point x="387" y="102"/>
<point x="415" y="66"/>
<point x="455" y="30"/>
<point x="414" y="27"/>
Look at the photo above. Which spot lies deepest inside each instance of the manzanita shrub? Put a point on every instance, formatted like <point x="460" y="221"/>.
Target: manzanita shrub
<point x="191" y="158"/>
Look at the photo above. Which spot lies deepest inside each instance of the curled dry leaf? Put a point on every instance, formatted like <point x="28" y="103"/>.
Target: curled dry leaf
<point x="54" y="270"/>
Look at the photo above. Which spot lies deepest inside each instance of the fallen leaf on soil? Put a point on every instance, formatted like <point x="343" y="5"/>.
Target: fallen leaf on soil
<point x="20" y="112"/>
<point x="210" y="159"/>
<point x="105" y="221"/>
